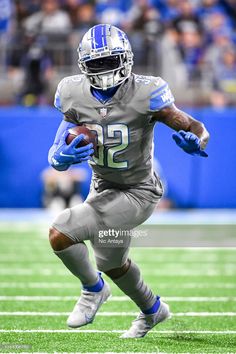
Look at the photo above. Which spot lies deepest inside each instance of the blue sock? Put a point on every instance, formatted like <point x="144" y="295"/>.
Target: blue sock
<point x="96" y="287"/>
<point x="154" y="308"/>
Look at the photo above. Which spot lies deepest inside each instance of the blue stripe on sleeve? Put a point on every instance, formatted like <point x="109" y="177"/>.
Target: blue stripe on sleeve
<point x="159" y="89"/>
<point x="163" y="99"/>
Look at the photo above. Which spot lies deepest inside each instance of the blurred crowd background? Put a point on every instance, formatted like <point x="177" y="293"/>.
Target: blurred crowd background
<point x="190" y="43"/>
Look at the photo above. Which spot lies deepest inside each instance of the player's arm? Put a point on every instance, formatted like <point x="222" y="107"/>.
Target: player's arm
<point x="61" y="155"/>
<point x="191" y="135"/>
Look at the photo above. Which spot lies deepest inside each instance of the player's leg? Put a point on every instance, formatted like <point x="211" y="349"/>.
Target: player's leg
<point x="153" y="310"/>
<point x="125" y="273"/>
<point x="66" y="236"/>
<point x="68" y="245"/>
<point x="127" y="276"/>
<point x="74" y="256"/>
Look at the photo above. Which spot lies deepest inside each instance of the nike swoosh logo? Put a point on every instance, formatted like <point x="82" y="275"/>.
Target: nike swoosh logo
<point x="61" y="153"/>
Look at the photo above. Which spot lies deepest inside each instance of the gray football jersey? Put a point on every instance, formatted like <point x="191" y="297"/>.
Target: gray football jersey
<point x="123" y="124"/>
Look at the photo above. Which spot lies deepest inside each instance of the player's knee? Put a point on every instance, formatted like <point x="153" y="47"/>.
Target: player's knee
<point x="116" y="273"/>
<point x="58" y="240"/>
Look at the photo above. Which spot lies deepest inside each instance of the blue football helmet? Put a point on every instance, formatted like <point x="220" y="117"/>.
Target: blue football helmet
<point x="105" y="56"/>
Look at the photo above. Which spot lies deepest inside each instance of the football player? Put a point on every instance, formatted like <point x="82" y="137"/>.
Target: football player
<point x="122" y="108"/>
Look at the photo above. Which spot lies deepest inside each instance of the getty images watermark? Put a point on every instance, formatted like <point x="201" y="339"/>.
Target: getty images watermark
<point x="164" y="236"/>
<point x="118" y="237"/>
<point x="16" y="346"/>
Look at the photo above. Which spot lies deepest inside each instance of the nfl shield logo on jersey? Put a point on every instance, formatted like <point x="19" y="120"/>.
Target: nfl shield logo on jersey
<point x="103" y="112"/>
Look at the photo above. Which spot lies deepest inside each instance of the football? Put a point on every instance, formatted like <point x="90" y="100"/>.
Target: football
<point x="90" y="136"/>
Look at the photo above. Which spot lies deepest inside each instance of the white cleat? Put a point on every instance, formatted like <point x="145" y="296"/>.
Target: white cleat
<point x="144" y="323"/>
<point x="87" y="306"/>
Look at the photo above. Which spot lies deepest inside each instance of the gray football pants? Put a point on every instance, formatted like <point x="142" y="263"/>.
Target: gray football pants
<point x="105" y="211"/>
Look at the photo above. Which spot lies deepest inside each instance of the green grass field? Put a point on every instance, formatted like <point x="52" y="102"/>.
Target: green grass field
<point x="37" y="293"/>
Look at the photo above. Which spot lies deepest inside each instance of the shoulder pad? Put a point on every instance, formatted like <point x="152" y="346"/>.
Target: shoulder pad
<point x="64" y="91"/>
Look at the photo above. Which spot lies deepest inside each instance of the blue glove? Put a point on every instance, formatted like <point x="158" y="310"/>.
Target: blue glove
<point x="189" y="142"/>
<point x="66" y="155"/>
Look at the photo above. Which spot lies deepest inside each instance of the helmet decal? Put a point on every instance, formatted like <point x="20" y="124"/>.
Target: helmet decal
<point x="98" y="37"/>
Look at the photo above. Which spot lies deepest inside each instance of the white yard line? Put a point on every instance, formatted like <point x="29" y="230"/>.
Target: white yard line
<point x="120" y="298"/>
<point x="63" y="285"/>
<point x="114" y="352"/>
<point x="172" y="271"/>
<point x="117" y="314"/>
<point x="12" y="347"/>
<point x="17" y="260"/>
<point x="108" y="331"/>
<point x="52" y="262"/>
<point x="118" y="352"/>
<point x="204" y="314"/>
